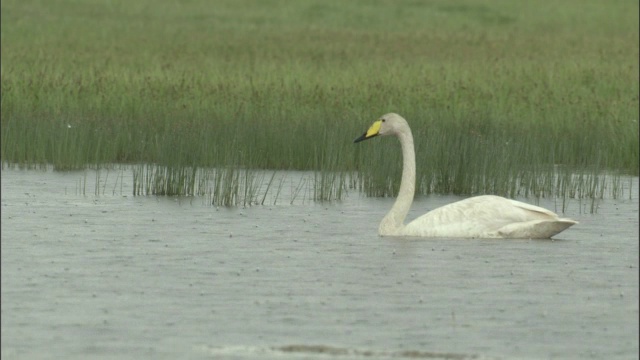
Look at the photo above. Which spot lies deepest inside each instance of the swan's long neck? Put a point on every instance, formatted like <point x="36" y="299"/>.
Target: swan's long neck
<point x="393" y="222"/>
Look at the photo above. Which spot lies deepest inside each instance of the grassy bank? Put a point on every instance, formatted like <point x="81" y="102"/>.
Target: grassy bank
<point x="495" y="91"/>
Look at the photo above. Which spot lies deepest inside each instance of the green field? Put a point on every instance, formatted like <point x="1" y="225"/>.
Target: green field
<point x="500" y="94"/>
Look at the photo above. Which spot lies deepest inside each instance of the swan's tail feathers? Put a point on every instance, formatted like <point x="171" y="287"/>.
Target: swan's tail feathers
<point x="536" y="229"/>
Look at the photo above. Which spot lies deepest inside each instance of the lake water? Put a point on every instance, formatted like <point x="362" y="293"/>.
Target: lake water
<point x="121" y="277"/>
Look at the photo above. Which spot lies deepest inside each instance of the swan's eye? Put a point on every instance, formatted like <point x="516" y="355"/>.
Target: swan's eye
<point x="383" y="120"/>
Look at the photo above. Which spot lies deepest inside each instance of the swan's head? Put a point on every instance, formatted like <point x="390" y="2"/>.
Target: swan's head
<point x="388" y="124"/>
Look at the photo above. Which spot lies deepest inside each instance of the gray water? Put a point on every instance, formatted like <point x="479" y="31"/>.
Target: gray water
<point x="121" y="277"/>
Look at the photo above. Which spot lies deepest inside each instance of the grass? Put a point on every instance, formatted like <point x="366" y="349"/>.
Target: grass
<point x="499" y="94"/>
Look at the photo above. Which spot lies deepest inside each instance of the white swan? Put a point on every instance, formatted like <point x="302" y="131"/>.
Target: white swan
<point x="484" y="216"/>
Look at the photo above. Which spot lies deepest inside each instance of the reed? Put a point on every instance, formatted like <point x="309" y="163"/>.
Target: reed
<point x="495" y="98"/>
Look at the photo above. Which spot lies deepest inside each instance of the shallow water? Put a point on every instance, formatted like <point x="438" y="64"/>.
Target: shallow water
<point x="116" y="276"/>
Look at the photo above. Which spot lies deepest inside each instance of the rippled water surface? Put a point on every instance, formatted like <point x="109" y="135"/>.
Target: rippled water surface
<point x="123" y="277"/>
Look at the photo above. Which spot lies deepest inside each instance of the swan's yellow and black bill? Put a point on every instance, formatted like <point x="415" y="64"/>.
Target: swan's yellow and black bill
<point x="374" y="130"/>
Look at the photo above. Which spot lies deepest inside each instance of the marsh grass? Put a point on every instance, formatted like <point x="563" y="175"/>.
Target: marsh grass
<point x="229" y="186"/>
<point x="497" y="93"/>
<point x="246" y="187"/>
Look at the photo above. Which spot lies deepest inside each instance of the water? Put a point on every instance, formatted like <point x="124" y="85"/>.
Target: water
<point x="123" y="277"/>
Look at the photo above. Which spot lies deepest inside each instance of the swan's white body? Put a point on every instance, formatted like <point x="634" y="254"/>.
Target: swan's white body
<point x="484" y="216"/>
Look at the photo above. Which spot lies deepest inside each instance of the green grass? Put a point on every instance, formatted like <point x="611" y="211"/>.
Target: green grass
<point x="497" y="92"/>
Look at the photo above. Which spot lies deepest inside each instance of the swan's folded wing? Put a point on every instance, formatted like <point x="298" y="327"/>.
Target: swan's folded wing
<point x="486" y="216"/>
<point x="532" y="210"/>
<point x="536" y="229"/>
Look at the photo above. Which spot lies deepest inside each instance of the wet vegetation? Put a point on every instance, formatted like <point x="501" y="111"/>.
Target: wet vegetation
<point x="503" y="97"/>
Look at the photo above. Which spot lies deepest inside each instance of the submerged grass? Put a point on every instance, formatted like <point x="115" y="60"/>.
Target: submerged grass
<point x="499" y="94"/>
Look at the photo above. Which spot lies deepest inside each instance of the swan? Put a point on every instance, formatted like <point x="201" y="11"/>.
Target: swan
<point x="485" y="216"/>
